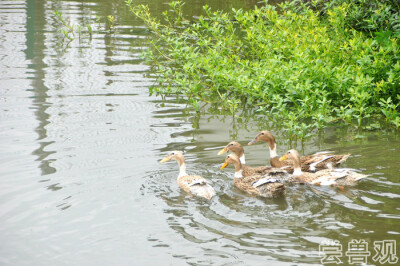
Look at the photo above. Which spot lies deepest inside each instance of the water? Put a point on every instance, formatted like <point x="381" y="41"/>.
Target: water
<point x="80" y="182"/>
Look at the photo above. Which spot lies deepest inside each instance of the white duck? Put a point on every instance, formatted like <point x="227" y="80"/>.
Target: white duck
<point x="192" y="184"/>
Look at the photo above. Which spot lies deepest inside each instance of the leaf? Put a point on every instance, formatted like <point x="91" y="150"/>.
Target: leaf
<point x="383" y="37"/>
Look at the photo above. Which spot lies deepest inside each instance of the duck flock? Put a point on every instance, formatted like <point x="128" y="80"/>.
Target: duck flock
<point x="269" y="181"/>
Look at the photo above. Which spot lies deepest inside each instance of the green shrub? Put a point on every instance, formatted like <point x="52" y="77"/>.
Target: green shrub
<point x="363" y="15"/>
<point x="294" y="65"/>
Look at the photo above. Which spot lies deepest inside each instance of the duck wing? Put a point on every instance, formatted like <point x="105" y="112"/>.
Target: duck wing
<point x="197" y="185"/>
<point x="264" y="186"/>
<point x="260" y="170"/>
<point x="332" y="177"/>
<point x="319" y="161"/>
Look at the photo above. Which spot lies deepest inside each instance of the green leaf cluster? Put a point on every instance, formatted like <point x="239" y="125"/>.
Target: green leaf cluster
<point x="299" y="67"/>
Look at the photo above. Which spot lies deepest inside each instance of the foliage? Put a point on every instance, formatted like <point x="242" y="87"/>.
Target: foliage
<point x="302" y="69"/>
<point x="68" y="31"/>
<point x="111" y="22"/>
<point x="369" y="16"/>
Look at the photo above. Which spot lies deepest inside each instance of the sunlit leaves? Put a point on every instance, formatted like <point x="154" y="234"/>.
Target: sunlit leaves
<point x="292" y="65"/>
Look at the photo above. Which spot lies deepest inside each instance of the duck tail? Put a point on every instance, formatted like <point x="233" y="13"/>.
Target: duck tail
<point x="344" y="158"/>
<point x="207" y="192"/>
<point x="359" y="177"/>
<point x="210" y="192"/>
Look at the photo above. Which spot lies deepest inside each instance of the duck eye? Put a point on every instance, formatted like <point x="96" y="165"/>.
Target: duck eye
<point x="262" y="133"/>
<point x="231" y="144"/>
<point x="172" y="153"/>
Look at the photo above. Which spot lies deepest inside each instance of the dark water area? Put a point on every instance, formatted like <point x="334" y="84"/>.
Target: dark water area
<point x="81" y="141"/>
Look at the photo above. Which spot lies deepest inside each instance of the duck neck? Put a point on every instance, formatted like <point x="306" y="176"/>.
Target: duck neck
<point x="297" y="167"/>
<point x="182" y="167"/>
<point x="238" y="170"/>
<point x="269" y="138"/>
<point x="239" y="151"/>
<point x="272" y="149"/>
<point x="242" y="159"/>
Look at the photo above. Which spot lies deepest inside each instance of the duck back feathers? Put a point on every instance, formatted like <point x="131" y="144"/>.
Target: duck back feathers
<point x="196" y="185"/>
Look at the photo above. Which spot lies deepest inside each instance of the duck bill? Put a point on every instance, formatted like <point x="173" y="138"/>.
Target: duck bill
<point x="284" y="157"/>
<point x="166" y="159"/>
<point x="254" y="141"/>
<point x="224" y="150"/>
<point x="224" y="165"/>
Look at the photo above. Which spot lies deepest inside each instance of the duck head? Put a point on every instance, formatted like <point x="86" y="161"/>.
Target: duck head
<point x="174" y="155"/>
<point x="266" y="136"/>
<point x="231" y="159"/>
<point x="234" y="147"/>
<point x="290" y="154"/>
<point x="295" y="157"/>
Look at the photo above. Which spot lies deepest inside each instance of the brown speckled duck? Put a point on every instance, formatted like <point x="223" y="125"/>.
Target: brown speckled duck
<point x="268" y="186"/>
<point x="309" y="163"/>
<point x="192" y="184"/>
<point x="332" y="177"/>
<point x="237" y="149"/>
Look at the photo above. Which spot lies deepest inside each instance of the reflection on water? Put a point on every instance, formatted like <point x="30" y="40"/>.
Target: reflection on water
<point x="81" y="141"/>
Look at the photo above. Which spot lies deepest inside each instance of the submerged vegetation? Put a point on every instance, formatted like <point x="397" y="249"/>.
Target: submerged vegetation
<point x="305" y="65"/>
<point x="69" y="31"/>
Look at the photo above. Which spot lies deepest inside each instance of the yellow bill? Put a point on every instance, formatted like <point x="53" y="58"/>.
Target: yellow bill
<point x="284" y="157"/>
<point x="166" y="159"/>
<point x="222" y="151"/>
<point x="224" y="165"/>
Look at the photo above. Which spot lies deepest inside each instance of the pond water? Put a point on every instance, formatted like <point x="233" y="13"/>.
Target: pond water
<point x="81" y="141"/>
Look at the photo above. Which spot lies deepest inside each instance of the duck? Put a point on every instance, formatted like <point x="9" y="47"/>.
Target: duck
<point x="309" y="163"/>
<point x="238" y="150"/>
<point x="333" y="177"/>
<point x="192" y="184"/>
<point x="268" y="186"/>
